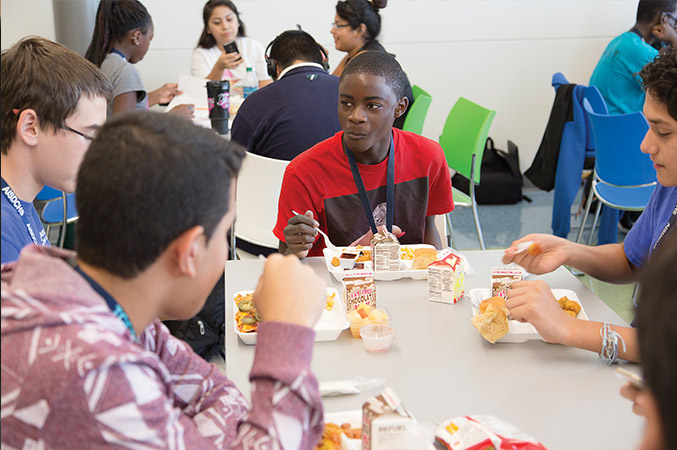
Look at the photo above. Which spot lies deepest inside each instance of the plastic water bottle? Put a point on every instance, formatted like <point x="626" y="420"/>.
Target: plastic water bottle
<point x="250" y="83"/>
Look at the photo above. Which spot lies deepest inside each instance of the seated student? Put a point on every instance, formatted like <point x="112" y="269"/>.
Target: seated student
<point x="84" y="355"/>
<point x="44" y="137"/>
<point x="122" y="34"/>
<point x="616" y="72"/>
<point x="222" y="26"/>
<point x="368" y="155"/>
<point x="657" y="337"/>
<point x="532" y="301"/>
<point x="298" y="110"/>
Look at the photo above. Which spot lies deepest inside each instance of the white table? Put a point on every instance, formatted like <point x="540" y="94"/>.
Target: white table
<point x="441" y="367"/>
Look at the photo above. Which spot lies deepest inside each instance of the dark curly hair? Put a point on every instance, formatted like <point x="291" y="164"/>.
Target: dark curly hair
<point x="357" y="12"/>
<point x="659" y="79"/>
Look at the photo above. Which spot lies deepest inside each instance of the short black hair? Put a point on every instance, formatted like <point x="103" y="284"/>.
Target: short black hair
<point x="380" y="64"/>
<point x="657" y="332"/>
<point x="648" y="9"/>
<point x="147" y="178"/>
<point x="659" y="78"/>
<point x="294" y="45"/>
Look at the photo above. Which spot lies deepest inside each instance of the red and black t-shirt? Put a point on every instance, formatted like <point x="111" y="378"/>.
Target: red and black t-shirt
<point x="320" y="180"/>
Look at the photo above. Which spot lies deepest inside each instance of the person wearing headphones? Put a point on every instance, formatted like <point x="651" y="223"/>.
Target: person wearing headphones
<point x="298" y="110"/>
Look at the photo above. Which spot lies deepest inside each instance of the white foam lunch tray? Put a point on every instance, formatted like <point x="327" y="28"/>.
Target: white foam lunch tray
<point x="519" y="331"/>
<point x="381" y="275"/>
<point x="328" y="327"/>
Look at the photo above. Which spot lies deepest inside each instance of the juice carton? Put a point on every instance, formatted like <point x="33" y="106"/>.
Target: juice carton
<point x="446" y="278"/>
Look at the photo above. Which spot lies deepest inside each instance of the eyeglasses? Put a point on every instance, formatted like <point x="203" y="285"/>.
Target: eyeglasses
<point x="89" y="138"/>
<point x="672" y="18"/>
<point x="339" y="25"/>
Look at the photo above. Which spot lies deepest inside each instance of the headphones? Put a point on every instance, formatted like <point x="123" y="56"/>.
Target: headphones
<point x="271" y="64"/>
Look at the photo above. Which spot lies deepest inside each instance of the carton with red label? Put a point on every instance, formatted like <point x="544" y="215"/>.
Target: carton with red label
<point x="446" y="278"/>
<point x="359" y="288"/>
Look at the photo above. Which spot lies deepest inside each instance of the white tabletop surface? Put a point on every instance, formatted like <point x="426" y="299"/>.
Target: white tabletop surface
<point x="441" y="367"/>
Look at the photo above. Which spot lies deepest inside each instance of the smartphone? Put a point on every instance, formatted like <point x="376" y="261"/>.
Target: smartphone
<point x="231" y="48"/>
<point x="634" y="378"/>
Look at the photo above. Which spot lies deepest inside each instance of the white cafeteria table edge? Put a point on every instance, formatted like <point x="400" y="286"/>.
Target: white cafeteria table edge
<point x="441" y="367"/>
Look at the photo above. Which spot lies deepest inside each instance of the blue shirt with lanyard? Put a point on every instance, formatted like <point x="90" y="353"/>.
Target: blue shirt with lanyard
<point x="21" y="225"/>
<point x="390" y="188"/>
<point x="110" y="301"/>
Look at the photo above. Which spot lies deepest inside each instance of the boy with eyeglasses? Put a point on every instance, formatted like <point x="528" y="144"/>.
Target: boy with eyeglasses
<point x="52" y="102"/>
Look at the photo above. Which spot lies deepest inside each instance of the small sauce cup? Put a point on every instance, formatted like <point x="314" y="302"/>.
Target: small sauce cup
<point x="347" y="260"/>
<point x="376" y="338"/>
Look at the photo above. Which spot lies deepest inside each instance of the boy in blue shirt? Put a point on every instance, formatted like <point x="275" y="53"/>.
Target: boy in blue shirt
<point x="52" y="102"/>
<point x="533" y="302"/>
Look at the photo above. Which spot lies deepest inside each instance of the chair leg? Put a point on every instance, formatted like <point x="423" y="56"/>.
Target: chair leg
<point x="594" y="223"/>
<point x="478" y="228"/>
<point x="635" y="294"/>
<point x="450" y="231"/>
<point x="233" y="248"/>
<point x="585" y="215"/>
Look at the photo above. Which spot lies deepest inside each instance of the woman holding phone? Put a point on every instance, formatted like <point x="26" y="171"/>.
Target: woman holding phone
<point x="224" y="52"/>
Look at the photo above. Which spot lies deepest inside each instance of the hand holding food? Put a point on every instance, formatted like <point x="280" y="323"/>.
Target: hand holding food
<point x="289" y="292"/>
<point x="544" y="253"/>
<point x="533" y="302"/>
<point x="299" y="234"/>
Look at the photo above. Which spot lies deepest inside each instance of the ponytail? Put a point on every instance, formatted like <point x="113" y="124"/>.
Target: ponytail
<point x="114" y="19"/>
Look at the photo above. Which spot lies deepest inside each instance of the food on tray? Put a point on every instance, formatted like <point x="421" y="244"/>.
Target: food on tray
<point x="331" y="436"/>
<point x="363" y="315"/>
<point x="406" y="253"/>
<point x="385" y="250"/>
<point x="335" y="261"/>
<point x="446" y="279"/>
<point x="359" y="288"/>
<point x="492" y="322"/>
<point x="423" y="257"/>
<point x="532" y="248"/>
<point x="569" y="306"/>
<point x="247" y="318"/>
<point x="348" y="259"/>
<point x="502" y="278"/>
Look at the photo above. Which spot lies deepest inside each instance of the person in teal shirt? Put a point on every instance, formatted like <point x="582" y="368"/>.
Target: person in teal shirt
<point x="616" y="73"/>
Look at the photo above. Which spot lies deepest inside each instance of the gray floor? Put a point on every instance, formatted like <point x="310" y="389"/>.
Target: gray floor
<point x="502" y="224"/>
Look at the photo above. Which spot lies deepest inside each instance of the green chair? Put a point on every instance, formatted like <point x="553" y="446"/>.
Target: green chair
<point x="417" y="111"/>
<point x="463" y="139"/>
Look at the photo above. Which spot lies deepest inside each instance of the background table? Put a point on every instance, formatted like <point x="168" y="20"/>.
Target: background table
<point x="441" y="367"/>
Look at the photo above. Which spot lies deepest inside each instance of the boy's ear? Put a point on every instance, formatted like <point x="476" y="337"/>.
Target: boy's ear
<point x="28" y="127"/>
<point x="186" y="251"/>
<point x="401" y="107"/>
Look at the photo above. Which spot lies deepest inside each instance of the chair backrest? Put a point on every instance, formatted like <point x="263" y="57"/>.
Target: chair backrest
<point x="619" y="160"/>
<point x="417" y="111"/>
<point x="465" y="134"/>
<point x="52" y="213"/>
<point x="595" y="99"/>
<point x="48" y="193"/>
<point x="258" y="191"/>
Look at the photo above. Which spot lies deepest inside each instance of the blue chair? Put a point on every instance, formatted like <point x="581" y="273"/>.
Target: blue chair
<point x="59" y="212"/>
<point x="624" y="177"/>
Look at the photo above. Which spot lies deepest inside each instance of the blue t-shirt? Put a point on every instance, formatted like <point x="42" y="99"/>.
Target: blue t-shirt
<point x="616" y="73"/>
<point x="642" y="236"/>
<point x="15" y="235"/>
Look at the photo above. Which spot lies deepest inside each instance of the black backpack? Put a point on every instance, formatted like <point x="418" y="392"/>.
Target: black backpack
<point x="205" y="332"/>
<point x="500" y="177"/>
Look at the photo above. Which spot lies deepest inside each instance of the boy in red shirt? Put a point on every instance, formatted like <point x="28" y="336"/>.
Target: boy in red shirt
<point x="368" y="155"/>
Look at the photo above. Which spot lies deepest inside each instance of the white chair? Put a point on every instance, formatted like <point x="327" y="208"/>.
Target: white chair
<point x="257" y="194"/>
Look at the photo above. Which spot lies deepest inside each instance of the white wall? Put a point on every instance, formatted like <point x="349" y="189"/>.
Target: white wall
<point x="499" y="53"/>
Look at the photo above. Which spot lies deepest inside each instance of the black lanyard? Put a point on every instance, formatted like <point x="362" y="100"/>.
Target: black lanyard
<point x="390" y="187"/>
<point x="667" y="227"/>
<point x="637" y="32"/>
<point x="14" y="200"/>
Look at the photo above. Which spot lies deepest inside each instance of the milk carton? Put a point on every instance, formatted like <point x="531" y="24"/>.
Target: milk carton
<point x="446" y="278"/>
<point x="502" y="278"/>
<point x="359" y="288"/>
<point x="385" y="251"/>
<point x="386" y="423"/>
